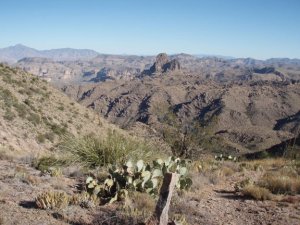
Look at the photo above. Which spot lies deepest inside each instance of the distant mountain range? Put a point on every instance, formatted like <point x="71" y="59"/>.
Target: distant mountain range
<point x="14" y="53"/>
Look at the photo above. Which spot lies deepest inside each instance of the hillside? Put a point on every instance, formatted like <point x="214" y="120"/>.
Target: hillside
<point x="34" y="116"/>
<point x="244" y="116"/>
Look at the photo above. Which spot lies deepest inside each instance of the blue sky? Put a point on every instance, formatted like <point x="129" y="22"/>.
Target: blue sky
<point x="240" y="28"/>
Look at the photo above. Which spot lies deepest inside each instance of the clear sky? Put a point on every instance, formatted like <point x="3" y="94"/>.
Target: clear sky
<point x="240" y="28"/>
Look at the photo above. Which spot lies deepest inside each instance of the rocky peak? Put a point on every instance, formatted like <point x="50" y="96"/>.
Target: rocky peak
<point x="163" y="64"/>
<point x="172" y="65"/>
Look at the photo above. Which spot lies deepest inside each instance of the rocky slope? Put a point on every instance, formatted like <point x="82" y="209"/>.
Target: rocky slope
<point x="34" y="116"/>
<point x="246" y="115"/>
<point x="115" y="67"/>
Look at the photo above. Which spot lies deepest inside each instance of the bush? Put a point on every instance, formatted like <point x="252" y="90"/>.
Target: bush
<point x="40" y="138"/>
<point x="57" y="129"/>
<point x="34" y="118"/>
<point x="280" y="184"/>
<point x="114" y="149"/>
<point x="45" y="163"/>
<point x="9" y="115"/>
<point x="21" y="109"/>
<point x="256" y="192"/>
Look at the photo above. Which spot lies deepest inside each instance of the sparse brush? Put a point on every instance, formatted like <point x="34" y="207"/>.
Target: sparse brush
<point x="52" y="200"/>
<point x="227" y="171"/>
<point x="280" y="184"/>
<point x="55" y="172"/>
<point x="2" y="221"/>
<point x="139" y="206"/>
<point x="114" y="149"/>
<point x="256" y="192"/>
<point x="84" y="200"/>
<point x="45" y="163"/>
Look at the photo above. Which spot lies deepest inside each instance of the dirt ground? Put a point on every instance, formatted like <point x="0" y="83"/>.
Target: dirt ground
<point x="209" y="203"/>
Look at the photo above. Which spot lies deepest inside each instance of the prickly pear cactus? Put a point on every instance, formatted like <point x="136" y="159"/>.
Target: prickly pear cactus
<point x="138" y="176"/>
<point x="223" y="157"/>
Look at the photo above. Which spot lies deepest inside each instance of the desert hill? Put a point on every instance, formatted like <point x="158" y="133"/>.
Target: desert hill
<point x="246" y="115"/>
<point x="34" y="116"/>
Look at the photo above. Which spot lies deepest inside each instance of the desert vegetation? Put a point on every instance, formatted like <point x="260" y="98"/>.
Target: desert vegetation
<point x="87" y="171"/>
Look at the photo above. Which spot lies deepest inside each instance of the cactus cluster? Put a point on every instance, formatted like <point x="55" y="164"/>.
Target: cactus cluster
<point x="84" y="200"/>
<point x="223" y="157"/>
<point x="138" y="177"/>
<point x="52" y="200"/>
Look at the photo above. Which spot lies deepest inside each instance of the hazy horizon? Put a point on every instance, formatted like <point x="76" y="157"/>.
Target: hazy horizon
<point x="256" y="29"/>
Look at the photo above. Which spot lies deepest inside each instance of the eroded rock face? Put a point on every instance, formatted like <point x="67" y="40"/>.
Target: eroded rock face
<point x="173" y="65"/>
<point x="163" y="64"/>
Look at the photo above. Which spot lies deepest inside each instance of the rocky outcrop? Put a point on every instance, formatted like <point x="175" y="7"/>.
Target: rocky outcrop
<point x="163" y="64"/>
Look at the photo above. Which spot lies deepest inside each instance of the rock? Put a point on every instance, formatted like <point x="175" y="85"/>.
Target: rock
<point x="162" y="65"/>
<point x="172" y="65"/>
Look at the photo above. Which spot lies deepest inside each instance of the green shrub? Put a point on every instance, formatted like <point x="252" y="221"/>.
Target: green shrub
<point x="45" y="163"/>
<point x="49" y="136"/>
<point x="61" y="108"/>
<point x="7" y="97"/>
<point x="114" y="149"/>
<point x="57" y="129"/>
<point x="34" y="118"/>
<point x="21" y="110"/>
<point x="41" y="138"/>
<point x="9" y="115"/>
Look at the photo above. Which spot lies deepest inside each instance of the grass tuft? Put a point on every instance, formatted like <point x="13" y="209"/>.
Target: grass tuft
<point x="114" y="149"/>
<point x="256" y="192"/>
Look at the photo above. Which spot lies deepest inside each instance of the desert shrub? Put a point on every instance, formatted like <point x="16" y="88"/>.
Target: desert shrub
<point x="7" y="97"/>
<point x="57" y="129"/>
<point x="256" y="192"/>
<point x="114" y="149"/>
<point x="52" y="200"/>
<point x="280" y="184"/>
<point x="34" y="118"/>
<point x="49" y="136"/>
<point x="61" y="108"/>
<point x="41" y="138"/>
<point x="21" y="110"/>
<point x="27" y="102"/>
<point x="9" y="115"/>
<point x="227" y="171"/>
<point x="140" y="206"/>
<point x="5" y="154"/>
<point x="45" y="163"/>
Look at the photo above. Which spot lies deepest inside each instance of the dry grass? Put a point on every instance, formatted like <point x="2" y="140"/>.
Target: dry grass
<point x="280" y="184"/>
<point x="92" y="151"/>
<point x="256" y="192"/>
<point x="140" y="206"/>
<point x="227" y="171"/>
<point x="2" y="221"/>
<point x="269" y="163"/>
